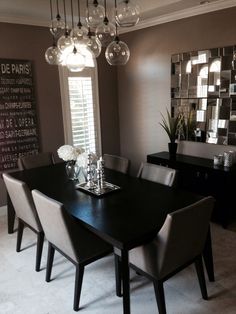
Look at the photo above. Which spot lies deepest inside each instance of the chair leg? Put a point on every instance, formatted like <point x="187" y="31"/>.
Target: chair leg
<point x="51" y="252"/>
<point x="78" y="285"/>
<point x="201" y="277"/>
<point x="40" y="240"/>
<point x="160" y="296"/>
<point x="118" y="275"/>
<point x="19" y="235"/>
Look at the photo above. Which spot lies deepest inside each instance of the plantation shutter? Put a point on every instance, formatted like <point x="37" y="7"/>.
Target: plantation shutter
<point x="81" y="111"/>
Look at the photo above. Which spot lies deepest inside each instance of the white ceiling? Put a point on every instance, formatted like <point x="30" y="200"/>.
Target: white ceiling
<point x="36" y="12"/>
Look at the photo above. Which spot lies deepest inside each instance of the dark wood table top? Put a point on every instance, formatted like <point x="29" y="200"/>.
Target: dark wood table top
<point x="125" y="218"/>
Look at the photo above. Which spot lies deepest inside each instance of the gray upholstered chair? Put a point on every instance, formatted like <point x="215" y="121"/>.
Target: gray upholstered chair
<point x="117" y="163"/>
<point x="33" y="161"/>
<point x="71" y="239"/>
<point x="178" y="244"/>
<point x="22" y="201"/>
<point x="156" y="173"/>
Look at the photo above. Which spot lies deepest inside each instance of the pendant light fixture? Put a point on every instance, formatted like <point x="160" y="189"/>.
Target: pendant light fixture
<point x="75" y="60"/>
<point x="53" y="54"/>
<point x="95" y="14"/>
<point x="65" y="42"/>
<point x="106" y="31"/>
<point x="57" y="24"/>
<point x="92" y="42"/>
<point x="80" y="31"/>
<point x="117" y="52"/>
<point x="127" y="13"/>
<point x="79" y="45"/>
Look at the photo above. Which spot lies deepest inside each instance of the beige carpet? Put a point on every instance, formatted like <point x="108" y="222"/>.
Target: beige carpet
<point x="23" y="291"/>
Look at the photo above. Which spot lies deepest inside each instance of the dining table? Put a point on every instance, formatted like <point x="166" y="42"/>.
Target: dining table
<point x="126" y="217"/>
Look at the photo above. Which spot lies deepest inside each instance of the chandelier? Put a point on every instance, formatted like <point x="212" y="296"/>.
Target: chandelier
<point x="75" y="44"/>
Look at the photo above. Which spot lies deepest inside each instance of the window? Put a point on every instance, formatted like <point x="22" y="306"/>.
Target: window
<point x="80" y="108"/>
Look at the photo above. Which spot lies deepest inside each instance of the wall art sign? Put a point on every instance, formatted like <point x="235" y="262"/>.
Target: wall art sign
<point x="18" y="118"/>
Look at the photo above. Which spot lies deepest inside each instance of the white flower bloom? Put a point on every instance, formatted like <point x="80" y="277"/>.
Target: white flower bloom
<point x="67" y="152"/>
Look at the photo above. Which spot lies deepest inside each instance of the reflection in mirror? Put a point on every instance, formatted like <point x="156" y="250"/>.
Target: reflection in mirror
<point x="203" y="90"/>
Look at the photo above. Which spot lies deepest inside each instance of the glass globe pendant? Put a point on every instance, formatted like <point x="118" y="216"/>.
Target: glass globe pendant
<point x="57" y="24"/>
<point x="94" y="44"/>
<point x="105" y="32"/>
<point x="95" y="14"/>
<point x="117" y="52"/>
<point x="75" y="61"/>
<point x="80" y="31"/>
<point x="127" y="13"/>
<point x="53" y="54"/>
<point x="64" y="42"/>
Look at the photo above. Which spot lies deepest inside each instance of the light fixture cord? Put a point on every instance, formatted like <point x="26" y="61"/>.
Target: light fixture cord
<point x="89" y="29"/>
<point x="105" y="7"/>
<point x="72" y="14"/>
<point x="51" y="10"/>
<point x="53" y="36"/>
<point x="57" y="7"/>
<point x="116" y="8"/>
<point x="58" y="17"/>
<point x="79" y="23"/>
<point x="66" y="28"/>
<point x="117" y="39"/>
<point x="87" y="5"/>
<point x="105" y="21"/>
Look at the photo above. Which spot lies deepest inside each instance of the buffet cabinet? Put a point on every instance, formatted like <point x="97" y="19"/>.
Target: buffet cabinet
<point x="199" y="175"/>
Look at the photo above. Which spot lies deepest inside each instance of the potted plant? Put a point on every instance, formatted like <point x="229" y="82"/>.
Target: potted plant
<point x="172" y="126"/>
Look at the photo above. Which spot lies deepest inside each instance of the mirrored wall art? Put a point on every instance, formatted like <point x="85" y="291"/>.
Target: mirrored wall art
<point x="203" y="89"/>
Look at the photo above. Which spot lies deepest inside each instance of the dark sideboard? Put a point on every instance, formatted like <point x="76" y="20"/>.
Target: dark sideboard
<point x="201" y="176"/>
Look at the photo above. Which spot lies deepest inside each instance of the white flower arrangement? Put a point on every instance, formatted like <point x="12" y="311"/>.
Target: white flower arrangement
<point x="69" y="153"/>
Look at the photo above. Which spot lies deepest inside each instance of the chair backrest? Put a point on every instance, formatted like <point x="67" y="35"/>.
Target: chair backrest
<point x="56" y="222"/>
<point x="33" y="161"/>
<point x="22" y="201"/>
<point x="183" y="235"/>
<point x="117" y="163"/>
<point x="156" y="173"/>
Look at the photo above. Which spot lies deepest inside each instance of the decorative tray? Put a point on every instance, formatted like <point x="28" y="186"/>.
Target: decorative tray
<point x="108" y="188"/>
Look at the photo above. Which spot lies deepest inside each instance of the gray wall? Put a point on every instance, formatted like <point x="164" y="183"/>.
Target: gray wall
<point x="144" y="83"/>
<point x="29" y="42"/>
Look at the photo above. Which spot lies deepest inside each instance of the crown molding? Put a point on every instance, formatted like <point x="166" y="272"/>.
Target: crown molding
<point x="23" y="20"/>
<point x="200" y="9"/>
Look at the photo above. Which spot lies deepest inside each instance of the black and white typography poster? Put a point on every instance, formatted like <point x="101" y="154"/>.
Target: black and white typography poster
<point x="18" y="120"/>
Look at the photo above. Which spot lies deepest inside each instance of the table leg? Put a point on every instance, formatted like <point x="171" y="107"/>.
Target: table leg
<point x="208" y="257"/>
<point x="10" y="215"/>
<point x="125" y="281"/>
